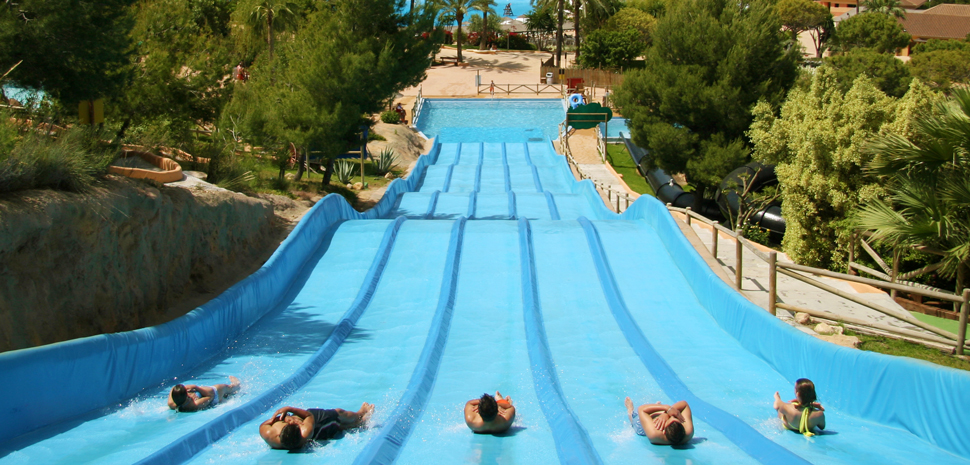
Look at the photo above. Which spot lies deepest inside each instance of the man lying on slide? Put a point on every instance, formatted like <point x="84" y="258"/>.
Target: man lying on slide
<point x="291" y="428"/>
<point x="662" y="424"/>
<point x="489" y="414"/>
<point x="189" y="397"/>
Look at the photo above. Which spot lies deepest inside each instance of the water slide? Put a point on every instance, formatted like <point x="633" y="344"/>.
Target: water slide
<point x="489" y="268"/>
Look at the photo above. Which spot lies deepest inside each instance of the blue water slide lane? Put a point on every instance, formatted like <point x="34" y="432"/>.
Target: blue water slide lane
<point x="740" y="433"/>
<point x="553" y="211"/>
<point x="512" y="210"/>
<point x="432" y="204"/>
<point x="528" y="158"/>
<point x="895" y="391"/>
<point x="573" y="444"/>
<point x="472" y="200"/>
<point x="189" y="445"/>
<point x="385" y="447"/>
<point x="505" y="166"/>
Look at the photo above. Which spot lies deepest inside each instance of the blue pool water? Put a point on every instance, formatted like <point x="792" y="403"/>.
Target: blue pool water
<point x="497" y="120"/>
<point x="488" y="268"/>
<point x="616" y="126"/>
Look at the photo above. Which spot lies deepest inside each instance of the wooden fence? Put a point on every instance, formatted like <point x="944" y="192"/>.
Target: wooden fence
<point x="591" y="77"/>
<point x="940" y="338"/>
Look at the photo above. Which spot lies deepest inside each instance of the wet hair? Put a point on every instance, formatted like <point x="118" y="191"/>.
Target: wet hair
<point x="674" y="432"/>
<point x="805" y="390"/>
<point x="290" y="437"/>
<point x="487" y="407"/>
<point x="179" y="395"/>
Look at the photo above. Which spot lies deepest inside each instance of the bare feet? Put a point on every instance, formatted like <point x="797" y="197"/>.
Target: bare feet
<point x="366" y="410"/>
<point x="233" y="385"/>
<point x="778" y="402"/>
<point x="629" y="406"/>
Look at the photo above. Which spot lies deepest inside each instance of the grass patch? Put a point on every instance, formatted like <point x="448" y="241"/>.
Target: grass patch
<point x="72" y="162"/>
<point x="885" y="345"/>
<point x="942" y="323"/>
<point x="622" y="163"/>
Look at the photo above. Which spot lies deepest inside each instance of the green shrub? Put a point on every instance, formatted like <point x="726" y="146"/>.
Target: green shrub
<point x="385" y="161"/>
<point x="344" y="170"/>
<point x="371" y="135"/>
<point x="390" y="117"/>
<point x="72" y="162"/>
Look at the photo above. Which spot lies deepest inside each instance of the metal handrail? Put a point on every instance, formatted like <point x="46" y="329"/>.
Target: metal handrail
<point x="789" y="269"/>
<point x="416" y="109"/>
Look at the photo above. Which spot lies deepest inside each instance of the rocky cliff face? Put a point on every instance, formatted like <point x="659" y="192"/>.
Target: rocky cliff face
<point x="119" y="257"/>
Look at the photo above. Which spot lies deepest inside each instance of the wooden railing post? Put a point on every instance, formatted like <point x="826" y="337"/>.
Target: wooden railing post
<point x="895" y="273"/>
<point x="714" y="244"/>
<point x="687" y="213"/>
<point x="851" y="252"/>
<point x="737" y="257"/>
<point x="772" y="282"/>
<point x="962" y="330"/>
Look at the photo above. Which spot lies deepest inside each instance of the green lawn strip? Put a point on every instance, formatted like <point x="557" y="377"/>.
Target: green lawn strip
<point x="942" y="323"/>
<point x="623" y="164"/>
<point x="885" y="345"/>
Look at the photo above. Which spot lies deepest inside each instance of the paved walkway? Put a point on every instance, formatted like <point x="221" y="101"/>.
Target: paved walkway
<point x="794" y="292"/>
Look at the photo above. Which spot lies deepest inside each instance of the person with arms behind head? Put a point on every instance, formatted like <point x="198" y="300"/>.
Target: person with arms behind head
<point x="662" y="424"/>
<point x="489" y="415"/>
<point x="190" y="398"/>
<point x="291" y="428"/>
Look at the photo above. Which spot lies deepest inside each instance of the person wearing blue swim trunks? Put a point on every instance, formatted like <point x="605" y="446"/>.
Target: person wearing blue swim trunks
<point x="292" y="428"/>
<point x="190" y="398"/>
<point x="662" y="424"/>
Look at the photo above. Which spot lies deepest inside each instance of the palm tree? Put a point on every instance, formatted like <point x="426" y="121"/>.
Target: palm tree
<point x="272" y="15"/>
<point x="455" y="10"/>
<point x="485" y="6"/>
<point x="887" y="7"/>
<point x="929" y="178"/>
<point x="560" y="9"/>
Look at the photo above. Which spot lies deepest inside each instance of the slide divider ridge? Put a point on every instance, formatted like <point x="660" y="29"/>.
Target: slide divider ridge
<point x="187" y="446"/>
<point x="553" y="210"/>
<point x="512" y="210"/>
<point x="432" y="205"/>
<point x="447" y="183"/>
<point x="472" y="202"/>
<point x="737" y="431"/>
<point x="573" y="445"/>
<point x="535" y="177"/>
<point x="505" y="166"/>
<point x="385" y="447"/>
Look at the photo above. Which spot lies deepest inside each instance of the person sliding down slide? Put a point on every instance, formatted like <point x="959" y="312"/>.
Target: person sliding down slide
<point x="802" y="414"/>
<point x="489" y="415"/>
<point x="662" y="424"/>
<point x="292" y="428"/>
<point x="190" y="398"/>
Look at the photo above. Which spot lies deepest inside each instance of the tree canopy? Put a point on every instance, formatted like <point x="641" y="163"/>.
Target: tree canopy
<point x="887" y="73"/>
<point x="816" y="143"/>
<point x="942" y="63"/>
<point x="710" y="62"/>
<point x="871" y="30"/>
<point x="72" y="49"/>
<point x="798" y="16"/>
<point x="347" y="62"/>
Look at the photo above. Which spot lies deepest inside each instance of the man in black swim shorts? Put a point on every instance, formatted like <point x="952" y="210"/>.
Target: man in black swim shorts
<point x="291" y="428"/>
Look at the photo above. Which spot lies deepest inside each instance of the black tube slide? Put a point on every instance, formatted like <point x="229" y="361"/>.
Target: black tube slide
<point x="727" y="198"/>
